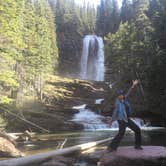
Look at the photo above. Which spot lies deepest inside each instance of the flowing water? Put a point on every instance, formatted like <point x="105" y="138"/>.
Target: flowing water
<point x="95" y="129"/>
<point x="92" y="59"/>
<point x="94" y="121"/>
<point x="44" y="143"/>
<point x="89" y="119"/>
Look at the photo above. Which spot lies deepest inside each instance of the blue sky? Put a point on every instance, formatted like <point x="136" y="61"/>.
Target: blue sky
<point x="95" y="2"/>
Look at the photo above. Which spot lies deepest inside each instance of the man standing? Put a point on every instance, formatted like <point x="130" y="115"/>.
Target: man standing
<point x="122" y="113"/>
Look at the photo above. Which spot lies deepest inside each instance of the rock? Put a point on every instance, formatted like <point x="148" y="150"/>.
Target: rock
<point x="59" y="161"/>
<point x="128" y="156"/>
<point x="8" y="149"/>
<point x="93" y="157"/>
<point x="53" y="163"/>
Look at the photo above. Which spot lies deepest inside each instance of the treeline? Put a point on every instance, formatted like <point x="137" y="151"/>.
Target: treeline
<point x="137" y="49"/>
<point x="28" y="47"/>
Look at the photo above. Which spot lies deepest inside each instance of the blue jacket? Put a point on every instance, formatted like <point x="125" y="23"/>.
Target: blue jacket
<point x="119" y="112"/>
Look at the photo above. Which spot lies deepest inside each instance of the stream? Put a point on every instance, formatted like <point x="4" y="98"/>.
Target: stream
<point x="94" y="129"/>
<point x="47" y="142"/>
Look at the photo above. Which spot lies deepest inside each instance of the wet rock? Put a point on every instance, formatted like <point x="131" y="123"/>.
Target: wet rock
<point x="8" y="149"/>
<point x="128" y="156"/>
<point x="53" y="163"/>
<point x="59" y="161"/>
<point x="93" y="157"/>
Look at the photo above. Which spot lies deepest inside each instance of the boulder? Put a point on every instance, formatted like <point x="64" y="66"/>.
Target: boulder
<point x="8" y="149"/>
<point x="59" y="161"/>
<point x="128" y="156"/>
<point x="92" y="157"/>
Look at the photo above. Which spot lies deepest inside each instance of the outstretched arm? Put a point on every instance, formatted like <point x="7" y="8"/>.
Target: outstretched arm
<point x="135" y="82"/>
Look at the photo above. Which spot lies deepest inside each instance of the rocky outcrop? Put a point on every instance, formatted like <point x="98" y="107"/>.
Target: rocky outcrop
<point x="8" y="149"/>
<point x="128" y="156"/>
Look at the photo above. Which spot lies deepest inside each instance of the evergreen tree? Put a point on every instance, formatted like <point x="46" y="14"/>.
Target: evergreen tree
<point x="27" y="44"/>
<point x="156" y="73"/>
<point x="126" y="11"/>
<point x="115" y="16"/>
<point x="40" y="51"/>
<point x="108" y="17"/>
<point x="11" y="45"/>
<point x="144" y="29"/>
<point x="101" y="17"/>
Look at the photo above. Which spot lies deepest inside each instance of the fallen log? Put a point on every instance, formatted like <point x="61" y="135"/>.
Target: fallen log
<point x="39" y="158"/>
<point x="28" y="122"/>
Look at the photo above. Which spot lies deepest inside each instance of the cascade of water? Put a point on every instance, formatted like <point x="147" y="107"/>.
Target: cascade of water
<point x="92" y="59"/>
<point x="92" y="121"/>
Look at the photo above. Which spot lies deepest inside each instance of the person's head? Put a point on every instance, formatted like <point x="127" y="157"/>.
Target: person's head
<point x="121" y="94"/>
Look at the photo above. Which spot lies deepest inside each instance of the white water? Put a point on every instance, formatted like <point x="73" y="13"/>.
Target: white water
<point x="99" y="101"/>
<point x="80" y="107"/>
<point x="92" y="121"/>
<point x="92" y="59"/>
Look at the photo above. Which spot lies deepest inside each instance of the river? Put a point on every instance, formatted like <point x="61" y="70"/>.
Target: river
<point x="47" y="142"/>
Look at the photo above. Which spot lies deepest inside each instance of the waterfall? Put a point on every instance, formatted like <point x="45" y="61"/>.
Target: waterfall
<point x="90" y="120"/>
<point x="93" y="121"/>
<point x="92" y="59"/>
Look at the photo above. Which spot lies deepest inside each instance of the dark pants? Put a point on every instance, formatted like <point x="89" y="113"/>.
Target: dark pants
<point x="122" y="128"/>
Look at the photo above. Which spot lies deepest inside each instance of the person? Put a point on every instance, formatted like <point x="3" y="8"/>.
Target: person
<point x="122" y="113"/>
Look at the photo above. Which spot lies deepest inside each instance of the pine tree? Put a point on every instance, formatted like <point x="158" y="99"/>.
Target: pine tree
<point x="126" y="11"/>
<point x="101" y="17"/>
<point x="28" y="45"/>
<point x="115" y="16"/>
<point x="156" y="72"/>
<point x="144" y="28"/>
<point x="108" y="17"/>
<point x="40" y="52"/>
<point x="11" y="45"/>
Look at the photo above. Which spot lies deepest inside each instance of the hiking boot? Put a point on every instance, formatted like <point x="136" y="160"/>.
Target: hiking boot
<point x="109" y="149"/>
